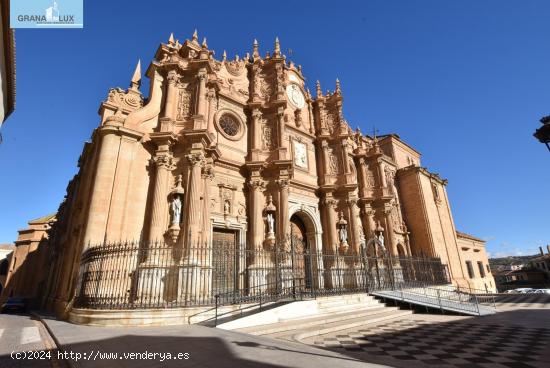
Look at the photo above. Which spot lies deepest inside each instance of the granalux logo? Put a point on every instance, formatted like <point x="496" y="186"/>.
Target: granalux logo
<point x="46" y="14"/>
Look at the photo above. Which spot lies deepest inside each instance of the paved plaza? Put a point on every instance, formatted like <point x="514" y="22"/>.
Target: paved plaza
<point x="516" y="337"/>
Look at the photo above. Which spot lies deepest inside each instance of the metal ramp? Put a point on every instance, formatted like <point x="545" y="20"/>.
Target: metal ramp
<point x="443" y="298"/>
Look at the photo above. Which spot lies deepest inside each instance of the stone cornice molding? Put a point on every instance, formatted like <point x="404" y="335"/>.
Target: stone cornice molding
<point x="121" y="131"/>
<point x="418" y="169"/>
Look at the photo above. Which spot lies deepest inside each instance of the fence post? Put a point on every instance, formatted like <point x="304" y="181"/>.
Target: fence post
<point x="439" y="300"/>
<point x="309" y="255"/>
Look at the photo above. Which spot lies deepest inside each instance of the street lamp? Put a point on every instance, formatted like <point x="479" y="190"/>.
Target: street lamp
<point x="543" y="133"/>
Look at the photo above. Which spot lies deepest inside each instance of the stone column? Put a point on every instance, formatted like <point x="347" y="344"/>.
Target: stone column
<point x="211" y="97"/>
<point x="201" y="100"/>
<point x="381" y="174"/>
<point x="102" y="187"/>
<point x="363" y="176"/>
<point x="163" y="167"/>
<point x="207" y="176"/>
<point x="345" y="158"/>
<point x="256" y="186"/>
<point x="370" y="224"/>
<point x="196" y="161"/>
<point x="326" y="161"/>
<point x="389" y="232"/>
<point x="284" y="225"/>
<point x="354" y="224"/>
<point x="330" y="205"/>
<point x="256" y="129"/>
<point x="281" y="133"/>
<point x="171" y="92"/>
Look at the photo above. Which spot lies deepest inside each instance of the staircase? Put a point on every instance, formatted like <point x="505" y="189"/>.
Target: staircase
<point x="316" y="317"/>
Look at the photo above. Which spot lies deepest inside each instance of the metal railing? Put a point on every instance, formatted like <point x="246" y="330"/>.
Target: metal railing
<point x="139" y="275"/>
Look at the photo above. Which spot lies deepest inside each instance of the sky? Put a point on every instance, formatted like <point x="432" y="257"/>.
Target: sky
<point x="464" y="82"/>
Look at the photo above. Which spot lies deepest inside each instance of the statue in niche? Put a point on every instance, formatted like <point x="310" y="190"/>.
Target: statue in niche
<point x="343" y="235"/>
<point x="226" y="207"/>
<point x="175" y="206"/>
<point x="270" y="224"/>
<point x="381" y="240"/>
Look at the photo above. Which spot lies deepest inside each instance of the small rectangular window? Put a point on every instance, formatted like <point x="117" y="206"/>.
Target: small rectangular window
<point x="481" y="269"/>
<point x="470" y="269"/>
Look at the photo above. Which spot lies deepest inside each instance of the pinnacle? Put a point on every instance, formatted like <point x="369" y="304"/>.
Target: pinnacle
<point x="195" y="35"/>
<point x="136" y="78"/>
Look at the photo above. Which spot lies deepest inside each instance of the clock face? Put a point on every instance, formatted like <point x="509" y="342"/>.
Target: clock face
<point x="295" y="95"/>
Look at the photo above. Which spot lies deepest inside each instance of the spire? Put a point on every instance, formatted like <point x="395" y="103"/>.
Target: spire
<point x="136" y="78"/>
<point x="318" y="88"/>
<point x="255" y="50"/>
<point x="171" y="39"/>
<point x="204" y="44"/>
<point x="337" y="90"/>
<point x="277" y="51"/>
<point x="224" y="56"/>
<point x="195" y="36"/>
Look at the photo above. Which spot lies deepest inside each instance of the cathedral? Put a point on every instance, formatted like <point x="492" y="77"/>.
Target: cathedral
<point x="239" y="152"/>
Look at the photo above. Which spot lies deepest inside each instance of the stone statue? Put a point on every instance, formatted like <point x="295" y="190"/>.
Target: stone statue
<point x="175" y="206"/>
<point x="362" y="239"/>
<point x="343" y="235"/>
<point x="381" y="240"/>
<point x="270" y="223"/>
<point x="226" y="207"/>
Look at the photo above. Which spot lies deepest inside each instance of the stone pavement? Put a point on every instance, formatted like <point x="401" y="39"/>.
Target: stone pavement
<point x="206" y="347"/>
<point x="513" y="338"/>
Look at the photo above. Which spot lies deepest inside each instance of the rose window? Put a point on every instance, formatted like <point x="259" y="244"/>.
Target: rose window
<point x="229" y="125"/>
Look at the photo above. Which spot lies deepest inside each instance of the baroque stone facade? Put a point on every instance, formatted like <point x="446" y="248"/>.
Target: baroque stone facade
<point x="240" y="149"/>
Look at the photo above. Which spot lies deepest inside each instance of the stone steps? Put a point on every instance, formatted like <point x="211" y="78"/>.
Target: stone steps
<point x="331" y="314"/>
<point x="351" y="323"/>
<point x="330" y="322"/>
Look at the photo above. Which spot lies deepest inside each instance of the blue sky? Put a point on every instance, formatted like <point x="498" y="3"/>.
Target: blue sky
<point x="463" y="82"/>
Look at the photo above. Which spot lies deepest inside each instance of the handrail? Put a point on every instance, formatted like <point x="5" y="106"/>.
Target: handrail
<point x="244" y="296"/>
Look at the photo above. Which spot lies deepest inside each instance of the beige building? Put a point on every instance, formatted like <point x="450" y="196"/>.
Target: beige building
<point x="474" y="257"/>
<point x="7" y="63"/>
<point x="6" y="251"/>
<point x="239" y="154"/>
<point x="28" y="265"/>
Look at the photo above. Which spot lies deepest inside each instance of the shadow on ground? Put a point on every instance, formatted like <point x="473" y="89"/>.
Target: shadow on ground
<point x="510" y="339"/>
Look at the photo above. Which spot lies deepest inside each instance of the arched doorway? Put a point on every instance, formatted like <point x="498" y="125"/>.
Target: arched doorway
<point x="301" y="256"/>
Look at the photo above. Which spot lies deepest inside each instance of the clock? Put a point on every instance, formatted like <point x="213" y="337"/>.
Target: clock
<point x="295" y="96"/>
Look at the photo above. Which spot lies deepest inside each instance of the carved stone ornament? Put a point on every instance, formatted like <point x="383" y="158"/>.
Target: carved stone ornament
<point x="333" y="163"/>
<point x="268" y="137"/>
<point x="184" y="103"/>
<point x="300" y="154"/>
<point x="129" y="100"/>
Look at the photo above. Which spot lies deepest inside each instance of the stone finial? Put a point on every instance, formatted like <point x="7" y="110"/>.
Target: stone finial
<point x="337" y="90"/>
<point x="308" y="93"/>
<point x="136" y="78"/>
<point x="255" y="49"/>
<point x="195" y="37"/>
<point x="204" y="44"/>
<point x="171" y="40"/>
<point x="277" y="51"/>
<point x="224" y="56"/>
<point x="318" y="88"/>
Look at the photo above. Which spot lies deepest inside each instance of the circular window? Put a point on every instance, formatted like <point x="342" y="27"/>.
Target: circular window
<point x="229" y="125"/>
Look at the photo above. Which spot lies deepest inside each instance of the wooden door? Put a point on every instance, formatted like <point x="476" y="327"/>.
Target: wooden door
<point x="224" y="245"/>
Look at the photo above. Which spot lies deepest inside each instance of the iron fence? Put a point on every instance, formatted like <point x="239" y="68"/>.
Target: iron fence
<point x="139" y="275"/>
